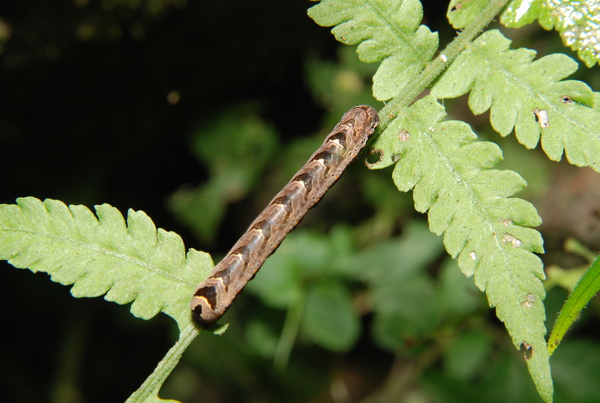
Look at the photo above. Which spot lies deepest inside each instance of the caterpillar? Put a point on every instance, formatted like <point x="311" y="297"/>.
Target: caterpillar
<point x="214" y="295"/>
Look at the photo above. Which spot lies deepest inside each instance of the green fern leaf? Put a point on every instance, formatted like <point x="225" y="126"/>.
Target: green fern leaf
<point x="577" y="21"/>
<point x="529" y="97"/>
<point x="384" y="30"/>
<point x="520" y="13"/>
<point x="461" y="13"/>
<point x="484" y="228"/>
<point x="586" y="289"/>
<point x="129" y="262"/>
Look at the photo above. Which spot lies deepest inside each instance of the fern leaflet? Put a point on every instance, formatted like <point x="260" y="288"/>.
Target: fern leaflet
<point x="129" y="262"/>
<point x="484" y="228"/>
<point x="529" y="97"/>
<point x="577" y="21"/>
<point x="470" y="203"/>
<point x="384" y="31"/>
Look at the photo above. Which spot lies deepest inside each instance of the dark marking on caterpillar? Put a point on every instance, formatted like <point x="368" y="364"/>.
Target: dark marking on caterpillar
<point x="214" y="295"/>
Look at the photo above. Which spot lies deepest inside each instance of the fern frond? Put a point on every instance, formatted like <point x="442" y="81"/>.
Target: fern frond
<point x="530" y="97"/>
<point x="128" y="261"/>
<point x="384" y="31"/>
<point x="484" y="228"/>
<point x="577" y="22"/>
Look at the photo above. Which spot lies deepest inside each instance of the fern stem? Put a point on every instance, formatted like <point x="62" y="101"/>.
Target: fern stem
<point x="153" y="383"/>
<point x="438" y="64"/>
<point x="290" y="331"/>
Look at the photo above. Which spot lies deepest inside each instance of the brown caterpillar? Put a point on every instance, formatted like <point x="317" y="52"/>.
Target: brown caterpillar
<point x="214" y="295"/>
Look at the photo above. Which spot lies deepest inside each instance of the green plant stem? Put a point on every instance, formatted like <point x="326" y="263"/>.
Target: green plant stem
<point x="439" y="63"/>
<point x="153" y="383"/>
<point x="289" y="332"/>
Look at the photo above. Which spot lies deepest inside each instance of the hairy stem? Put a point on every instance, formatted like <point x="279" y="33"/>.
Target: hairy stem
<point x="153" y="383"/>
<point x="437" y="65"/>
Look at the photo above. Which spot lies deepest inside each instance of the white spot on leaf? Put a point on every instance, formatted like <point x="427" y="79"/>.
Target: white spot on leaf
<point x="512" y="240"/>
<point x="529" y="301"/>
<point x="403" y="136"/>
<point x="541" y="116"/>
<point x="523" y="8"/>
